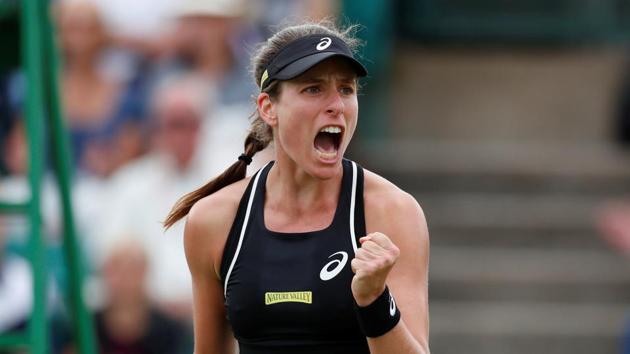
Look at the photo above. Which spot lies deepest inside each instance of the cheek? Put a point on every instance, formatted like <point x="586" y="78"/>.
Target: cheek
<point x="293" y="125"/>
<point x="292" y="133"/>
<point x="352" y="115"/>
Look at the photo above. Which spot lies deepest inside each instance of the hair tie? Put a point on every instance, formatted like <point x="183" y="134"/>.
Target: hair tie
<point x="245" y="159"/>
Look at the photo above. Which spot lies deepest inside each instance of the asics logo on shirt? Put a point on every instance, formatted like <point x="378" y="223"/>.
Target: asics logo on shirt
<point x="334" y="267"/>
<point x="324" y="43"/>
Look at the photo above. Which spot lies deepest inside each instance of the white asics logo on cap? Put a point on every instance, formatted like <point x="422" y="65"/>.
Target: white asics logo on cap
<point x="324" y="43"/>
<point x="326" y="274"/>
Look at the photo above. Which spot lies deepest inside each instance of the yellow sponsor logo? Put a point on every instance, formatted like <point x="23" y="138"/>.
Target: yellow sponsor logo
<point x="264" y="78"/>
<point x="305" y="297"/>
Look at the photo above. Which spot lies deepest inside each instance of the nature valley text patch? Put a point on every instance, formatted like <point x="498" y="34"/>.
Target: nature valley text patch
<point x="305" y="297"/>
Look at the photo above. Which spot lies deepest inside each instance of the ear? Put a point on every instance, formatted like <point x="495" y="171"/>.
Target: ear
<point x="266" y="109"/>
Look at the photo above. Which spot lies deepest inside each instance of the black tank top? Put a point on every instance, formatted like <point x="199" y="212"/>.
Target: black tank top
<point x="290" y="292"/>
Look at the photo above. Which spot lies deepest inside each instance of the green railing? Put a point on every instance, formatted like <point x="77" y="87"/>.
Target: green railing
<point x="42" y="110"/>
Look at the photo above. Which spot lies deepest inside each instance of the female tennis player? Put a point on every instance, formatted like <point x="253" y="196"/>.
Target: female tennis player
<point x="312" y="254"/>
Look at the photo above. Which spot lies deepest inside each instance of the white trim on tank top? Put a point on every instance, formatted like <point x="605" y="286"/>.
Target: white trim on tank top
<point x="352" y="206"/>
<point x="245" y="220"/>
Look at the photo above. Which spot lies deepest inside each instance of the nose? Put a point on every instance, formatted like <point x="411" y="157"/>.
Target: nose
<point x="336" y="105"/>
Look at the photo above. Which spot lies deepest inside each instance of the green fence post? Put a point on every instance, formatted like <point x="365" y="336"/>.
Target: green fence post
<point x="81" y="317"/>
<point x="32" y="62"/>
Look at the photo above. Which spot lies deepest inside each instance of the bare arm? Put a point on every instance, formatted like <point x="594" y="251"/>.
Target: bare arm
<point x="396" y="254"/>
<point x="205" y="234"/>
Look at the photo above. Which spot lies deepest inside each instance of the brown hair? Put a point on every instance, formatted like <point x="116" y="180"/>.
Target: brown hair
<point x="260" y="134"/>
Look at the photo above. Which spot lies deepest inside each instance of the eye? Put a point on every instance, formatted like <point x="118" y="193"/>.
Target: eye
<point x="312" y="89"/>
<point x="347" y="90"/>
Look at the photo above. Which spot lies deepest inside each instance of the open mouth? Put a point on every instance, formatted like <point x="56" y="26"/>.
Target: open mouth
<point x="327" y="141"/>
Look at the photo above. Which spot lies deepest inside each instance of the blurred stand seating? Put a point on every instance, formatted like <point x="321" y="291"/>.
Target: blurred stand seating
<point x="509" y="153"/>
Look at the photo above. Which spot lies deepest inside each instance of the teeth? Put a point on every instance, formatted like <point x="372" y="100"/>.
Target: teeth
<point x="330" y="129"/>
<point x="327" y="155"/>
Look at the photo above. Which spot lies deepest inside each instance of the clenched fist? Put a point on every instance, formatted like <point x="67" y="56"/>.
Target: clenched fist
<point x="371" y="265"/>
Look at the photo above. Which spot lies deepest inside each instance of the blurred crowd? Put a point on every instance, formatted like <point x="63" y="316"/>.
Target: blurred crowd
<point x="157" y="97"/>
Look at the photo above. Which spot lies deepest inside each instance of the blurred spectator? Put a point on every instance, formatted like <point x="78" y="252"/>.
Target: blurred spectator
<point x="104" y="114"/>
<point x="144" y="26"/>
<point x="614" y="225"/>
<point x="14" y="185"/>
<point x="272" y="13"/>
<point x="16" y="288"/>
<point x="211" y="38"/>
<point x="5" y="117"/>
<point x="15" y="271"/>
<point x="16" y="297"/>
<point x="129" y="323"/>
<point x="15" y="150"/>
<point x="613" y="221"/>
<point x="143" y="192"/>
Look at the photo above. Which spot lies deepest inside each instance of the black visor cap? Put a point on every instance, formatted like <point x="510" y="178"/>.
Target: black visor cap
<point x="302" y="54"/>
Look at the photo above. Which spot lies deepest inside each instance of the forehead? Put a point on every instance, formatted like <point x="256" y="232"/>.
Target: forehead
<point x="335" y="67"/>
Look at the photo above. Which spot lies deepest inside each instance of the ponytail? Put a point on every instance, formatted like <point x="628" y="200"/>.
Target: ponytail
<point x="234" y="173"/>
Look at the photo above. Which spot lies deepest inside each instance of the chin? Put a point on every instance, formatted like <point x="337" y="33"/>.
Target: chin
<point x="326" y="169"/>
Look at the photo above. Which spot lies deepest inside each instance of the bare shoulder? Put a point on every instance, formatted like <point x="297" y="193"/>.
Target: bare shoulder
<point x="386" y="199"/>
<point x="212" y="210"/>
<point x="208" y="224"/>
<point x="390" y="210"/>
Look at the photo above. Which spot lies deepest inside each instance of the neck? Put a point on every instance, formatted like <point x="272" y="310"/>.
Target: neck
<point x="291" y="189"/>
